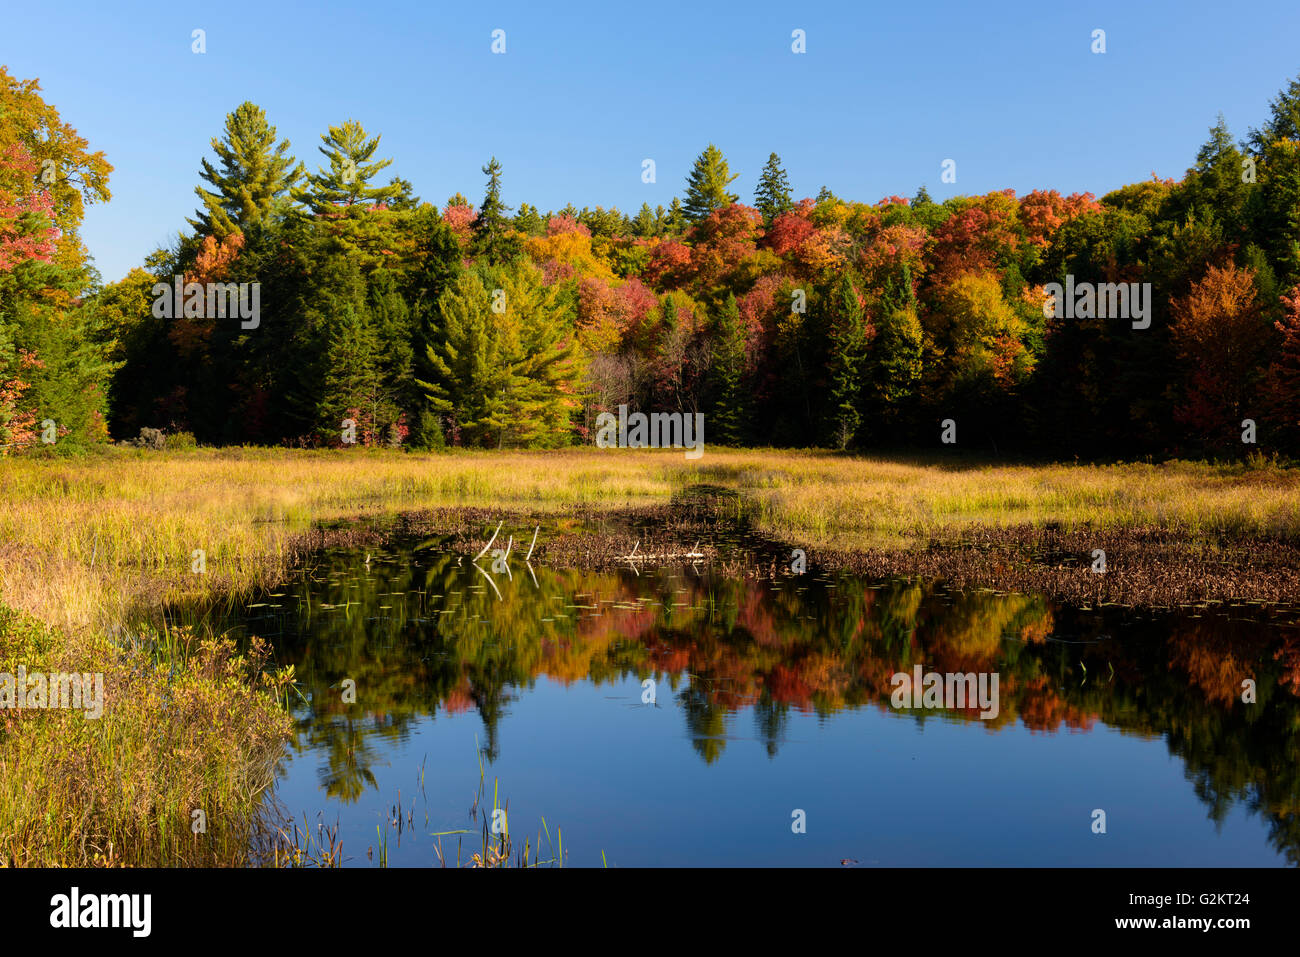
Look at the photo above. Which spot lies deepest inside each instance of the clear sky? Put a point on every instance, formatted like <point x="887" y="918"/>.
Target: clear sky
<point x="885" y="92"/>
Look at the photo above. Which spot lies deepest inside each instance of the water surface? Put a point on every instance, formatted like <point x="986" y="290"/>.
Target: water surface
<point x="772" y="696"/>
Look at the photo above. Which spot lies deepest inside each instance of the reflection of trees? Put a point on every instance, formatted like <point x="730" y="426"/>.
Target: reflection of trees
<point x="424" y="632"/>
<point x="770" y="720"/>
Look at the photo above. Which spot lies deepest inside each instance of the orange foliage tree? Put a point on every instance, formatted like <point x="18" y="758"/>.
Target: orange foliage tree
<point x="1220" y="336"/>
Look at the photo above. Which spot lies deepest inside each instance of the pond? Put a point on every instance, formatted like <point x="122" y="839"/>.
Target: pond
<point x="672" y="716"/>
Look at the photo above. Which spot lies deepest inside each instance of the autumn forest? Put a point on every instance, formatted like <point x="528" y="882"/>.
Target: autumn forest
<point x="819" y="321"/>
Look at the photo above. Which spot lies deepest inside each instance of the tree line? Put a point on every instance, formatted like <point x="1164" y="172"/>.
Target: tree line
<point x="813" y="322"/>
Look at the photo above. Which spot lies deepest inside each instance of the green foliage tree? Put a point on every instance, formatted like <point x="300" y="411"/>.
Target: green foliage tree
<point x="350" y="151"/>
<point x="706" y="187"/>
<point x="1284" y="119"/>
<point x="503" y="368"/>
<point x="492" y="242"/>
<point x="352" y="381"/>
<point x="404" y="198"/>
<point x="729" y="419"/>
<point x="255" y="173"/>
<point x="675" y="222"/>
<point x="529" y="221"/>
<point x="644" y="224"/>
<point x="772" y="197"/>
<point x="849" y="336"/>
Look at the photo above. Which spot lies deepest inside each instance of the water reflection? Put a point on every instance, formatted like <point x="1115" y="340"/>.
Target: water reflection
<point x="423" y="633"/>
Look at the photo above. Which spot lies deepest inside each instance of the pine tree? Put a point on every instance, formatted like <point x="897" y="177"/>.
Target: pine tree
<point x="893" y="367"/>
<point x="772" y="198"/>
<point x="491" y="242"/>
<point x="394" y="329"/>
<point x="255" y="172"/>
<point x="349" y="150"/>
<point x="706" y="188"/>
<point x="729" y="419"/>
<point x="1284" y="119"/>
<point x="352" y="383"/>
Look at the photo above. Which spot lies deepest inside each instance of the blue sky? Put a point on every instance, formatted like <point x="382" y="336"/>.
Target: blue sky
<point x="884" y="93"/>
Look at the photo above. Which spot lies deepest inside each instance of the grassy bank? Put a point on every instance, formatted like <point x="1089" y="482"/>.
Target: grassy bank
<point x="90" y="548"/>
<point x="172" y="769"/>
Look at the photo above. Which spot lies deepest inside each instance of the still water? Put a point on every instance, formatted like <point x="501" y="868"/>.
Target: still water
<point x="667" y="716"/>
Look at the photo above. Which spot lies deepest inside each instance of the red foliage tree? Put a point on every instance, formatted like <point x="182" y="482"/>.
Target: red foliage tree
<point x="722" y="241"/>
<point x="670" y="265"/>
<point x="1282" y="380"/>
<point x="977" y="238"/>
<point x="1043" y="212"/>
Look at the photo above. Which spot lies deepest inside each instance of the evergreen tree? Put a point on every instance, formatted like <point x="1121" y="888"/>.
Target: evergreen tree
<point x="404" y="198"/>
<point x="675" y="221"/>
<point x="644" y="224"/>
<point x="1283" y="121"/>
<point x="491" y="242"/>
<point x="848" y="346"/>
<point x="255" y="172"/>
<point x="70" y="384"/>
<point x="529" y="221"/>
<point x="893" y="367"/>
<point x="350" y="151"/>
<point x="706" y="188"/>
<point x="352" y="384"/>
<point x="1214" y="187"/>
<point x="772" y="198"/>
<point x="729" y="420"/>
<point x="503" y="377"/>
<point x="601" y="221"/>
<point x="395" y="335"/>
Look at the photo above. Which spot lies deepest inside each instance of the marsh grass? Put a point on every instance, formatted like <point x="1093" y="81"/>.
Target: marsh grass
<point x="187" y="726"/>
<point x="104" y="542"/>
